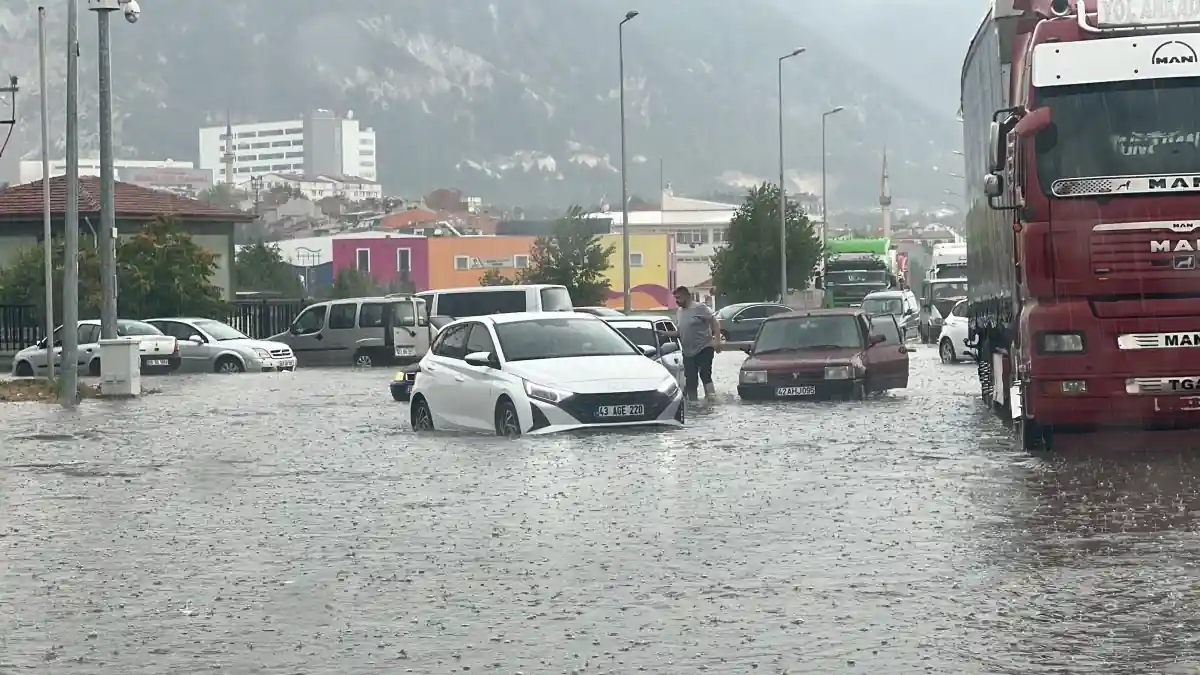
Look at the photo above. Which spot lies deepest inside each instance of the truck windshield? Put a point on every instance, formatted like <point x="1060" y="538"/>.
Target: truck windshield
<point x="1120" y="129"/>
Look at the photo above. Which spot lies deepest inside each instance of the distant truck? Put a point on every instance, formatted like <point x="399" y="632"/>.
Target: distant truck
<point x="854" y="268"/>
<point x="949" y="262"/>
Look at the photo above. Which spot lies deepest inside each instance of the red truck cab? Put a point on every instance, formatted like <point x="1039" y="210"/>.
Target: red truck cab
<point x="1083" y="163"/>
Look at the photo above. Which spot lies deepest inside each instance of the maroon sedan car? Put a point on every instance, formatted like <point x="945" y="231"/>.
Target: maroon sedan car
<point x="824" y="353"/>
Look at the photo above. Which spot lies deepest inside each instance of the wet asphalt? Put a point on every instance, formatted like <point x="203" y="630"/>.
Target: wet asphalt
<point x="291" y="523"/>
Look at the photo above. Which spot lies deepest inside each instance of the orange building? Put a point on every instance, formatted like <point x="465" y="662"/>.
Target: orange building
<point x="462" y="261"/>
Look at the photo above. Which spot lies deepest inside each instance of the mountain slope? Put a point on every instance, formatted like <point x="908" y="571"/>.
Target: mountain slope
<point x="513" y="99"/>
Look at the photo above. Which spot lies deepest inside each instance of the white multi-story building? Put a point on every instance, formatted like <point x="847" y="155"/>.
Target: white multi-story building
<point x="31" y="170"/>
<point x="316" y="188"/>
<point x="320" y="144"/>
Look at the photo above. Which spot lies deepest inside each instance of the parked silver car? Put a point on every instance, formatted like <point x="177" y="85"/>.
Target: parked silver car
<point x="643" y="330"/>
<point x="208" y="346"/>
<point x="159" y="352"/>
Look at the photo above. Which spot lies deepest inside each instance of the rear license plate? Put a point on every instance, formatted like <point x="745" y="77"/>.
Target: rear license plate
<point x="1177" y="404"/>
<point x="796" y="391"/>
<point x="610" y="411"/>
<point x="158" y="362"/>
<point x="406" y="351"/>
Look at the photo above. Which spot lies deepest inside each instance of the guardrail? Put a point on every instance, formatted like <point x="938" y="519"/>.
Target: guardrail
<point x="263" y="318"/>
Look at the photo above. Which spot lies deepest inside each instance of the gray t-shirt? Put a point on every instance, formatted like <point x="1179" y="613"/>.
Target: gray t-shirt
<point x="695" y="332"/>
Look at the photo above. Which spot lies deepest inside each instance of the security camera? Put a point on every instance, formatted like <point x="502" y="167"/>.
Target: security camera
<point x="132" y="11"/>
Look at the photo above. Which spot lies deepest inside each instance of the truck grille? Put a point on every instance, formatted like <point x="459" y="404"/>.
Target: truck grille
<point x="1127" y="255"/>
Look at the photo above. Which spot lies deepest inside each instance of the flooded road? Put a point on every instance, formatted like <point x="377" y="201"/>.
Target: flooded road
<point x="291" y="524"/>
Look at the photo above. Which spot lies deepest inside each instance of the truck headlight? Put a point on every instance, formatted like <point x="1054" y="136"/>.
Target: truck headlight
<point x="754" y="377"/>
<point x="839" y="372"/>
<point x="1061" y="343"/>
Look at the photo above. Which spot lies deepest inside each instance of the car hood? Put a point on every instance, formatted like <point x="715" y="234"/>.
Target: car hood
<point x="251" y="343"/>
<point x="593" y="374"/>
<point x="801" y="358"/>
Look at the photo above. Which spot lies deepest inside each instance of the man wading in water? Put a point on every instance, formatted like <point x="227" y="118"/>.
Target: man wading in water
<point x="700" y="335"/>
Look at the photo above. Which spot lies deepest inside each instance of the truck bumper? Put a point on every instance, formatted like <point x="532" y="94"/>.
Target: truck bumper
<point x="1107" y="404"/>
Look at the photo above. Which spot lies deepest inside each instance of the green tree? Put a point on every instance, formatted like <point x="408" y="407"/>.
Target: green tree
<point x="161" y="271"/>
<point x="221" y="195"/>
<point x="352" y="283"/>
<point x="493" y="277"/>
<point x="746" y="269"/>
<point x="573" y="257"/>
<point x="261" y="267"/>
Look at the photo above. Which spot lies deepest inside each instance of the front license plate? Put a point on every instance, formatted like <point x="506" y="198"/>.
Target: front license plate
<point x="1177" y="404"/>
<point x="796" y="391"/>
<point x="607" y="411"/>
<point x="158" y="362"/>
<point x="286" y="363"/>
<point x="406" y="351"/>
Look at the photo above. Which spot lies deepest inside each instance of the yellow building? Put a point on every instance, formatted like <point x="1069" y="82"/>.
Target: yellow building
<point x="651" y="270"/>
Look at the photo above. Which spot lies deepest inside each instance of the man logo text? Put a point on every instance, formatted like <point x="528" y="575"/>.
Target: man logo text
<point x="1182" y="340"/>
<point x="1180" y="183"/>
<point x="1181" y="245"/>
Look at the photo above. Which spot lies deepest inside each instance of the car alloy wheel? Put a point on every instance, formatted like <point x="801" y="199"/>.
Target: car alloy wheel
<point x="230" y="366"/>
<point x="508" y="423"/>
<point x="946" y="351"/>
<point x="422" y="416"/>
<point x="362" y="360"/>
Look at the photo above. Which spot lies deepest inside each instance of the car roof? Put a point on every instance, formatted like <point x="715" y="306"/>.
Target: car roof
<point x="640" y="318"/>
<point x="836" y="311"/>
<point x="885" y="294"/>
<point x="518" y="317"/>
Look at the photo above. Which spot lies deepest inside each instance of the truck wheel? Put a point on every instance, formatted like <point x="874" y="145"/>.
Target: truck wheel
<point x="1034" y="436"/>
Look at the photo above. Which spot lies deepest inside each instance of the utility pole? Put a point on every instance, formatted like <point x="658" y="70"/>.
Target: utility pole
<point x="108" y="215"/>
<point x="69" y="394"/>
<point x="47" y="232"/>
<point x="624" y="181"/>
<point x="783" y="276"/>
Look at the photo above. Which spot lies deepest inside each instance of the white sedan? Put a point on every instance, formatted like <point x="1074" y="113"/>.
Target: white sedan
<point x="538" y="373"/>
<point x="952" y="342"/>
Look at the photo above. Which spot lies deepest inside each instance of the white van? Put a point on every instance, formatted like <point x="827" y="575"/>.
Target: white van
<point x="392" y="330"/>
<point x="461" y="303"/>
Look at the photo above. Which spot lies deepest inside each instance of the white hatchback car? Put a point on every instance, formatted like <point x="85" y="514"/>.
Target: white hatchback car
<point x="538" y="373"/>
<point x="952" y="346"/>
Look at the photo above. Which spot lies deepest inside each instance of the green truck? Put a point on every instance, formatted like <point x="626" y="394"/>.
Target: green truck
<point x="854" y="268"/>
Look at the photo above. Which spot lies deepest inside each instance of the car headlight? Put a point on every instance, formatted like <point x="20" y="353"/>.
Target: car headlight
<point x="669" y="387"/>
<point x="547" y="394"/>
<point x="1061" y="343"/>
<point x="261" y="353"/>
<point x="839" y="372"/>
<point x="754" y="377"/>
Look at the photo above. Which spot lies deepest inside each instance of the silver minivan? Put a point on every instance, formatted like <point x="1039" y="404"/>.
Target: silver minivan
<point x="460" y="303"/>
<point x="375" y="331"/>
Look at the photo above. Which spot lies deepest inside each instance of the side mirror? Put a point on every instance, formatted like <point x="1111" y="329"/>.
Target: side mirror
<point x="993" y="186"/>
<point x="422" y="320"/>
<point x="44" y="343"/>
<point x="649" y="350"/>
<point x="668" y="348"/>
<point x="196" y="340"/>
<point x="877" y="340"/>
<point x="481" y="360"/>
<point x="998" y="141"/>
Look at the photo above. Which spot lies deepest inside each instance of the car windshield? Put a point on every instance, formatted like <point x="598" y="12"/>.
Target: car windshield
<point x="1145" y="128"/>
<point x="638" y="334"/>
<point x="536" y="339"/>
<point x="809" y="332"/>
<point x="130" y="328"/>
<point x="883" y="306"/>
<point x="944" y="291"/>
<point x="220" y="331"/>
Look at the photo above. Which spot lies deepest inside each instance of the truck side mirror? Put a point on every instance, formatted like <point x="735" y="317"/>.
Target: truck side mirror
<point x="993" y="186"/>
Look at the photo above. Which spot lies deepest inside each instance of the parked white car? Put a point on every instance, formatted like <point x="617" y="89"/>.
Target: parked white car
<point x="952" y="341"/>
<point x="644" y="330"/>
<point x="209" y="346"/>
<point x="160" y="353"/>
<point x="538" y="373"/>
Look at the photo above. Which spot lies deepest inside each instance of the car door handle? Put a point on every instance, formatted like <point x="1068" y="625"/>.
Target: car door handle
<point x="459" y="378"/>
<point x="318" y="336"/>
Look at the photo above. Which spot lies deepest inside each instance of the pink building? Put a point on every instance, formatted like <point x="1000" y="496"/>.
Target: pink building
<point x="387" y="257"/>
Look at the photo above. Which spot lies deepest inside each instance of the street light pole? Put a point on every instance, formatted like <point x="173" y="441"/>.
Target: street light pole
<point x="47" y="232"/>
<point x="69" y="393"/>
<point x="624" y="181"/>
<point x="783" y="276"/>
<point x="824" y="190"/>
<point x="108" y="216"/>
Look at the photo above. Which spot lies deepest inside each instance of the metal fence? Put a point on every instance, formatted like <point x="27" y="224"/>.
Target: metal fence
<point x="20" y="327"/>
<point x="264" y="318"/>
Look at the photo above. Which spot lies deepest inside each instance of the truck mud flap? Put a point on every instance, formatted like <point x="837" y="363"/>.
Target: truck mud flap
<point x="998" y="378"/>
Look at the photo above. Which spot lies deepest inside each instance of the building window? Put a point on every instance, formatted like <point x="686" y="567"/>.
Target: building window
<point x="294" y="155"/>
<point x="692" y="237"/>
<point x="294" y="131"/>
<point x="271" y="132"/>
<point x="720" y="236"/>
<point x="521" y="261"/>
<point x="635" y="259"/>
<point x="246" y="134"/>
<point x="462" y="262"/>
<point x="257" y="146"/>
<point x="403" y="260"/>
<point x="363" y="259"/>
